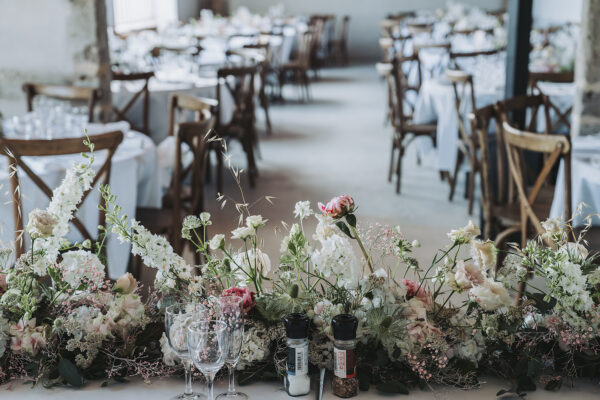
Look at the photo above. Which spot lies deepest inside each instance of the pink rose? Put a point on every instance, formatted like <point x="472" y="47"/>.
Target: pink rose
<point x="413" y="290"/>
<point x="243" y="292"/>
<point x="338" y="206"/>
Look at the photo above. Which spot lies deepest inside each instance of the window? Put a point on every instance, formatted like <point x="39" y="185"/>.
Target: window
<point x="129" y="15"/>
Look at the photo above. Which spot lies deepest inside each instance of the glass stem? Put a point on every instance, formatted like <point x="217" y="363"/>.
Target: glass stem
<point x="209" y="387"/>
<point x="187" y="366"/>
<point x="231" y="390"/>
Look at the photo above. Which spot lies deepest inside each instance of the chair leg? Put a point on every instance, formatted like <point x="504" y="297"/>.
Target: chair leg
<point x="265" y="105"/>
<point x="399" y="168"/>
<point x="452" y="179"/>
<point x="471" y="188"/>
<point x="391" y="172"/>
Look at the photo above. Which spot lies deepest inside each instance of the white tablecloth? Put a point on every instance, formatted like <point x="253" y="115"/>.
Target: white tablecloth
<point x="160" y="91"/>
<point x="585" y="180"/>
<point x="134" y="161"/>
<point x="167" y="388"/>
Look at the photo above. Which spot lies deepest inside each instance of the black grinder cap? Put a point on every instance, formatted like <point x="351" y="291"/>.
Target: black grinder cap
<point x="296" y="325"/>
<point x="344" y="327"/>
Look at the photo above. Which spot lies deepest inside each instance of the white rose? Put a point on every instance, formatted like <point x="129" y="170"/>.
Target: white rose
<point x="484" y="253"/>
<point x="217" y="242"/>
<point x="41" y="224"/>
<point x="242" y="233"/>
<point x="126" y="284"/>
<point x="255" y="221"/>
<point x="491" y="295"/>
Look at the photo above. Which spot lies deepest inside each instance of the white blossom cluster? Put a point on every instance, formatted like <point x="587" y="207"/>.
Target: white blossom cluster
<point x="336" y="258"/>
<point x="80" y="267"/>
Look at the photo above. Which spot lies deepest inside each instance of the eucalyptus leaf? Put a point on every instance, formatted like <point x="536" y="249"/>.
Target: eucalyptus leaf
<point x="69" y="372"/>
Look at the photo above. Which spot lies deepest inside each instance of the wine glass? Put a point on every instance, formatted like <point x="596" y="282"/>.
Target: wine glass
<point x="232" y="313"/>
<point x="208" y="348"/>
<point x="177" y="319"/>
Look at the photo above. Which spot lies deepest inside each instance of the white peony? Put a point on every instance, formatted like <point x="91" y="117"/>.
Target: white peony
<point x="467" y="275"/>
<point x="491" y="295"/>
<point x="81" y="267"/>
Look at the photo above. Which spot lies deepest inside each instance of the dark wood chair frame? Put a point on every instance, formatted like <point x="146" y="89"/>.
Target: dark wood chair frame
<point x="144" y="92"/>
<point x="16" y="149"/>
<point x="65" y="93"/>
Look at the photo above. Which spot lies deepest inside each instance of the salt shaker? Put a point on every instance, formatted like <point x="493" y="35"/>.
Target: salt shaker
<point x="297" y="382"/>
<point x="345" y="382"/>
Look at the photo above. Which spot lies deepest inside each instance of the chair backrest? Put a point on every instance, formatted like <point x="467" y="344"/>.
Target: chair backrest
<point x="456" y="56"/>
<point x="239" y="82"/>
<point x="563" y="116"/>
<point x="16" y="149"/>
<point x="63" y="92"/>
<point x="202" y="108"/>
<point x="402" y="68"/>
<point x="442" y="49"/>
<point x="343" y="34"/>
<point x="144" y="92"/>
<point x="417" y="28"/>
<point x="480" y="120"/>
<point x="307" y="40"/>
<point x="526" y="105"/>
<point x="554" y="148"/>
<point x="462" y="84"/>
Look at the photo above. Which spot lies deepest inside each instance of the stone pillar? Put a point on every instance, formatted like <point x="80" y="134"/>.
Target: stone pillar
<point x="586" y="108"/>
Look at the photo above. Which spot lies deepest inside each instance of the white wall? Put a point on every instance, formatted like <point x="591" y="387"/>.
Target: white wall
<point x="364" y="15"/>
<point x="50" y="41"/>
<point x="551" y="12"/>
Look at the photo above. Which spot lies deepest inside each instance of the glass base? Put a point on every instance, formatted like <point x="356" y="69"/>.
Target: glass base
<point x="193" y="396"/>
<point x="232" y="396"/>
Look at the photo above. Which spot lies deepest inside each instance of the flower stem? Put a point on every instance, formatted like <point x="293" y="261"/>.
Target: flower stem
<point x="362" y="248"/>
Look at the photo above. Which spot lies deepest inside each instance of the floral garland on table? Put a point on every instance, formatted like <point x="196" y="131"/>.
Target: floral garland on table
<point x="62" y="322"/>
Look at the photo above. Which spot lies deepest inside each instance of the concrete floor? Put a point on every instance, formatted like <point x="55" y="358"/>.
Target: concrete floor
<point x="337" y="144"/>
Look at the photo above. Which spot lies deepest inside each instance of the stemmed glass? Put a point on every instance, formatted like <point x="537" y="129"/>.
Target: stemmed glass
<point x="177" y="319"/>
<point x="232" y="313"/>
<point x="208" y="348"/>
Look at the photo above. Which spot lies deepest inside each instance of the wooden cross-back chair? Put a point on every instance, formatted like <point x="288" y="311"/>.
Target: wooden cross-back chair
<point x="556" y="148"/>
<point x="339" y="45"/>
<point x="16" y="149"/>
<point x="404" y="129"/>
<point x="553" y="77"/>
<point x="238" y="82"/>
<point x="68" y="93"/>
<point x="462" y="84"/>
<point x="263" y="70"/>
<point x="144" y="93"/>
<point x="501" y="217"/>
<point x="299" y="67"/>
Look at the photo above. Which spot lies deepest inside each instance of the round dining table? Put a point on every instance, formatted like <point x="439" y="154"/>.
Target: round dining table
<point x="135" y="161"/>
